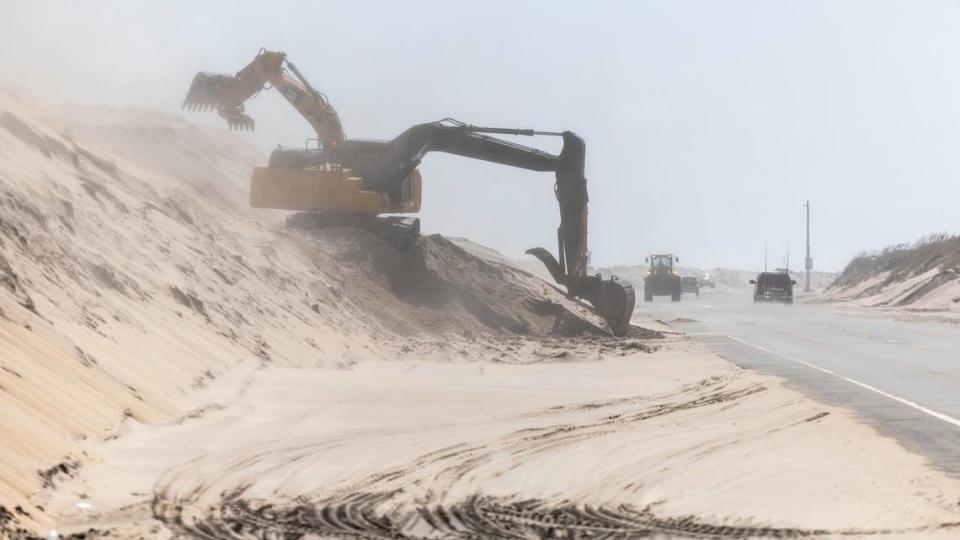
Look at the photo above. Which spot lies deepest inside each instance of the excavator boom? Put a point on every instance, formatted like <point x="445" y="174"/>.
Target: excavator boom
<point x="613" y="299"/>
<point x="353" y="181"/>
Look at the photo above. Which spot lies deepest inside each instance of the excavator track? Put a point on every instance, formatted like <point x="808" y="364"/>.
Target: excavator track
<point x="400" y="232"/>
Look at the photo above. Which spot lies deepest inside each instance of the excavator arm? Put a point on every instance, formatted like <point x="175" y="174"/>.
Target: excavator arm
<point x="228" y="93"/>
<point x="613" y="299"/>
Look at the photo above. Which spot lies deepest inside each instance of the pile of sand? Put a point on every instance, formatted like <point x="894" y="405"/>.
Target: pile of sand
<point x="919" y="280"/>
<point x="902" y="261"/>
<point x="173" y="364"/>
<point x="132" y="273"/>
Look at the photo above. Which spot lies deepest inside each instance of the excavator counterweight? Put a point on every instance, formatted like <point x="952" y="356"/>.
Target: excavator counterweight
<point x="352" y="182"/>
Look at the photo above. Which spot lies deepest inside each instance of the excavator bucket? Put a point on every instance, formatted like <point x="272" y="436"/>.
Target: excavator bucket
<point x="613" y="299"/>
<point x="210" y="91"/>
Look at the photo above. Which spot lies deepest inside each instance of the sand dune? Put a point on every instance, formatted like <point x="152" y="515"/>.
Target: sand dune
<point x="917" y="281"/>
<point x="132" y="274"/>
<point x="173" y="364"/>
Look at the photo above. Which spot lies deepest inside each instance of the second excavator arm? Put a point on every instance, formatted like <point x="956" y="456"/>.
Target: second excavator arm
<point x="613" y="299"/>
<point x="228" y="93"/>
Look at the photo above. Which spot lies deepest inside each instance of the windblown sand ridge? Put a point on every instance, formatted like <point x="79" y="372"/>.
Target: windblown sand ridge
<point x="174" y="365"/>
<point x="132" y="273"/>
<point x="912" y="281"/>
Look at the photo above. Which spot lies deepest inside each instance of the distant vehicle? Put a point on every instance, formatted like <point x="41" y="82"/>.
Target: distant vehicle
<point x="773" y="287"/>
<point x="707" y="281"/>
<point x="690" y="284"/>
<point x="661" y="280"/>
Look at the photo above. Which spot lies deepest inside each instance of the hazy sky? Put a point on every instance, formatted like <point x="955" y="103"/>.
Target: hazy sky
<point x="707" y="123"/>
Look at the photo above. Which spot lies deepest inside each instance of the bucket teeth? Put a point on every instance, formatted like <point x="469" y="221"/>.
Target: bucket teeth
<point x="208" y="91"/>
<point x="240" y="122"/>
<point x="212" y="91"/>
<point x="195" y="106"/>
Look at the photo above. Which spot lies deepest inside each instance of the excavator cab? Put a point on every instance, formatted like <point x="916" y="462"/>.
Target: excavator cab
<point x="328" y="194"/>
<point x="306" y="182"/>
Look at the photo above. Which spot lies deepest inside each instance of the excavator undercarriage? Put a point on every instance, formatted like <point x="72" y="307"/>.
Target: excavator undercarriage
<point x="344" y="182"/>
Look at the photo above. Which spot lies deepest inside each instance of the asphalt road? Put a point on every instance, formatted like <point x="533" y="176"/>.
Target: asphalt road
<point x="901" y="377"/>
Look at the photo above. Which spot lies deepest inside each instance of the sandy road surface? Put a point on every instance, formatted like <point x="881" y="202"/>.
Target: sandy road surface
<point x="600" y="443"/>
<point x="902" y="377"/>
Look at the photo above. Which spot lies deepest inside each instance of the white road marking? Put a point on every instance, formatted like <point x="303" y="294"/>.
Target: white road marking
<point x="938" y="415"/>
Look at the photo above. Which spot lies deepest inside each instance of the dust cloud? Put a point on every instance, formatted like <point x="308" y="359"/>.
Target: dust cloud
<point x="175" y="364"/>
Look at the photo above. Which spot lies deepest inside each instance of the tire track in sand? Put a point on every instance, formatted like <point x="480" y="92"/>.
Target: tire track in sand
<point x="398" y="503"/>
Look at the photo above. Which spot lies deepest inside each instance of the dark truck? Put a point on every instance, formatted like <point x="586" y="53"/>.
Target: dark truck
<point x="773" y="287"/>
<point x="690" y="284"/>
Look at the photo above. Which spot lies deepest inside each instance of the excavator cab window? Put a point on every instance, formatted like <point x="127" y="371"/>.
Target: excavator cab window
<point x="406" y="189"/>
<point x="405" y="193"/>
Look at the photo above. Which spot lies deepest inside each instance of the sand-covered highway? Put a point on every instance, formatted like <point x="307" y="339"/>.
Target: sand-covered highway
<point x="900" y="376"/>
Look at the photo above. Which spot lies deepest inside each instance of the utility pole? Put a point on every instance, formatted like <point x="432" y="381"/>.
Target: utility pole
<point x="809" y="261"/>
<point x="764" y="255"/>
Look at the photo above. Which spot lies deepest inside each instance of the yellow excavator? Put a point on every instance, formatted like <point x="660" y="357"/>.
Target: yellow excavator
<point x="336" y="181"/>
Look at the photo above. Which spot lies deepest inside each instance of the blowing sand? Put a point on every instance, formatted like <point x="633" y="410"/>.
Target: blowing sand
<point x="175" y="365"/>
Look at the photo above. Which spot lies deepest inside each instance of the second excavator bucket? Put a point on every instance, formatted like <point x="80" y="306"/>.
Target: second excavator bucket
<point x="210" y="91"/>
<point x="612" y="298"/>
